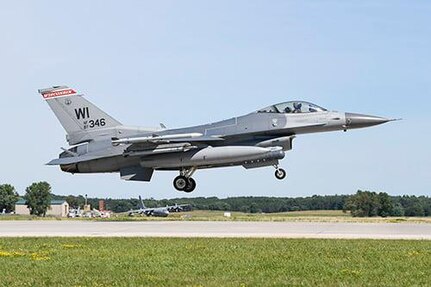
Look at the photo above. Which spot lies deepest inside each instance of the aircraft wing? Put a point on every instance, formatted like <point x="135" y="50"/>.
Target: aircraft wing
<point x="136" y="211"/>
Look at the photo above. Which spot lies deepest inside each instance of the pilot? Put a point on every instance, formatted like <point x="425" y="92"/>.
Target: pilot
<point x="287" y="110"/>
<point x="297" y="107"/>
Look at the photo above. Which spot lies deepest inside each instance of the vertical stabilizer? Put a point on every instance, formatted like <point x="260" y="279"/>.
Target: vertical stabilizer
<point x="142" y="203"/>
<point x="75" y="113"/>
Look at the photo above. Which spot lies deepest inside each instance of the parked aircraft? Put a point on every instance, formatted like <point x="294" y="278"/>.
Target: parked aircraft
<point x="75" y="212"/>
<point x="99" y="213"/>
<point x="101" y="144"/>
<point x="158" y="211"/>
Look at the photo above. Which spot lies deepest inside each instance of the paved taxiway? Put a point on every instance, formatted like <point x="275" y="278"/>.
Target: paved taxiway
<point x="72" y="228"/>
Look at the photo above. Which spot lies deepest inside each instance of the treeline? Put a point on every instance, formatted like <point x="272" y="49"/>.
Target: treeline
<point x="363" y="203"/>
<point x="369" y="204"/>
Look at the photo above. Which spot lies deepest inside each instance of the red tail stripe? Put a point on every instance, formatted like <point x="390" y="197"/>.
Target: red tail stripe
<point x="61" y="93"/>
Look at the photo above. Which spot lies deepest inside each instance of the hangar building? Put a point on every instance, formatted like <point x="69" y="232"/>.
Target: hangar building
<point x="57" y="208"/>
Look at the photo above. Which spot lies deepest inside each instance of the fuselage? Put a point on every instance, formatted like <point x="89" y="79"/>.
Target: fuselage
<point x="243" y="138"/>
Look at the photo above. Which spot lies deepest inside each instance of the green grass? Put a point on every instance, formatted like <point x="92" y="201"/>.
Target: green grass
<point x="294" y="216"/>
<point x="213" y="262"/>
<point x="208" y="215"/>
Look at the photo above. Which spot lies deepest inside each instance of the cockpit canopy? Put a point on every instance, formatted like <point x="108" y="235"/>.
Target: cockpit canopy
<point x="293" y="107"/>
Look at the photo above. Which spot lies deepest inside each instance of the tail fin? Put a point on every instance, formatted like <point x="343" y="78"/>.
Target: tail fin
<point x="75" y="113"/>
<point x="142" y="202"/>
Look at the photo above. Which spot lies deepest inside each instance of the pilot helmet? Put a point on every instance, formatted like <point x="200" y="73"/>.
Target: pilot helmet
<point x="297" y="106"/>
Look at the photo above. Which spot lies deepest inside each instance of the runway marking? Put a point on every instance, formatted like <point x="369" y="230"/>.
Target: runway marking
<point x="222" y="229"/>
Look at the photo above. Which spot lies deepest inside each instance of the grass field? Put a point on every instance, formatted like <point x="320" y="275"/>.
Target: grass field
<point x="213" y="262"/>
<point x="207" y="215"/>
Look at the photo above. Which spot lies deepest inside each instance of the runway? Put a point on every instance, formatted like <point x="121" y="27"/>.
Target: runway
<point x="69" y="228"/>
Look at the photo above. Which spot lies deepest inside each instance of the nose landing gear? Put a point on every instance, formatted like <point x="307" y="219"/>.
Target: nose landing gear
<point x="280" y="173"/>
<point x="184" y="182"/>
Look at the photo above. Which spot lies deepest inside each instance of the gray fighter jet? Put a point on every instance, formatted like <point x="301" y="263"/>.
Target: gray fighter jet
<point x="101" y="144"/>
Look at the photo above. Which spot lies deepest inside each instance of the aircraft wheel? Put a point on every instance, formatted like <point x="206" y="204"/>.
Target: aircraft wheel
<point x="191" y="185"/>
<point x="280" y="173"/>
<point x="180" y="183"/>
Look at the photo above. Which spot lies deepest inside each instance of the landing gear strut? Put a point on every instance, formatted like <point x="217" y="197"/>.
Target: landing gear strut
<point x="280" y="173"/>
<point x="184" y="182"/>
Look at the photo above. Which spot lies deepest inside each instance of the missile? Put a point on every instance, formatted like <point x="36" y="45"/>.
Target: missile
<point x="155" y="138"/>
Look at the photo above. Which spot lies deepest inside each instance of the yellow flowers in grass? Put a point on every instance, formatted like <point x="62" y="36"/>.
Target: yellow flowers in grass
<point x="34" y="256"/>
<point x="11" y="254"/>
<point x="39" y="256"/>
<point x="413" y="253"/>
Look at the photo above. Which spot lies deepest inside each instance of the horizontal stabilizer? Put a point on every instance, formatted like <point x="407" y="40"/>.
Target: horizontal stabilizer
<point x="74" y="159"/>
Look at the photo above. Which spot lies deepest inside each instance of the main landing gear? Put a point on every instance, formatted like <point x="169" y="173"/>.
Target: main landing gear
<point x="184" y="182"/>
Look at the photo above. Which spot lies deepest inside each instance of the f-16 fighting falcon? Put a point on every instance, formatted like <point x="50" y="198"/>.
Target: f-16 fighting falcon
<point x="101" y="144"/>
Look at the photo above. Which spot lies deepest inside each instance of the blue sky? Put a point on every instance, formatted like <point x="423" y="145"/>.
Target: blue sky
<point x="190" y="62"/>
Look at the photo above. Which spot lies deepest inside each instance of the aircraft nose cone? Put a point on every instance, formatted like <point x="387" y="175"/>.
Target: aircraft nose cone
<point x="355" y="121"/>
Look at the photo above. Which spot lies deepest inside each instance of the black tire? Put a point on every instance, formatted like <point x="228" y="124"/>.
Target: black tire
<point x="180" y="183"/>
<point x="191" y="185"/>
<point x="280" y="174"/>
